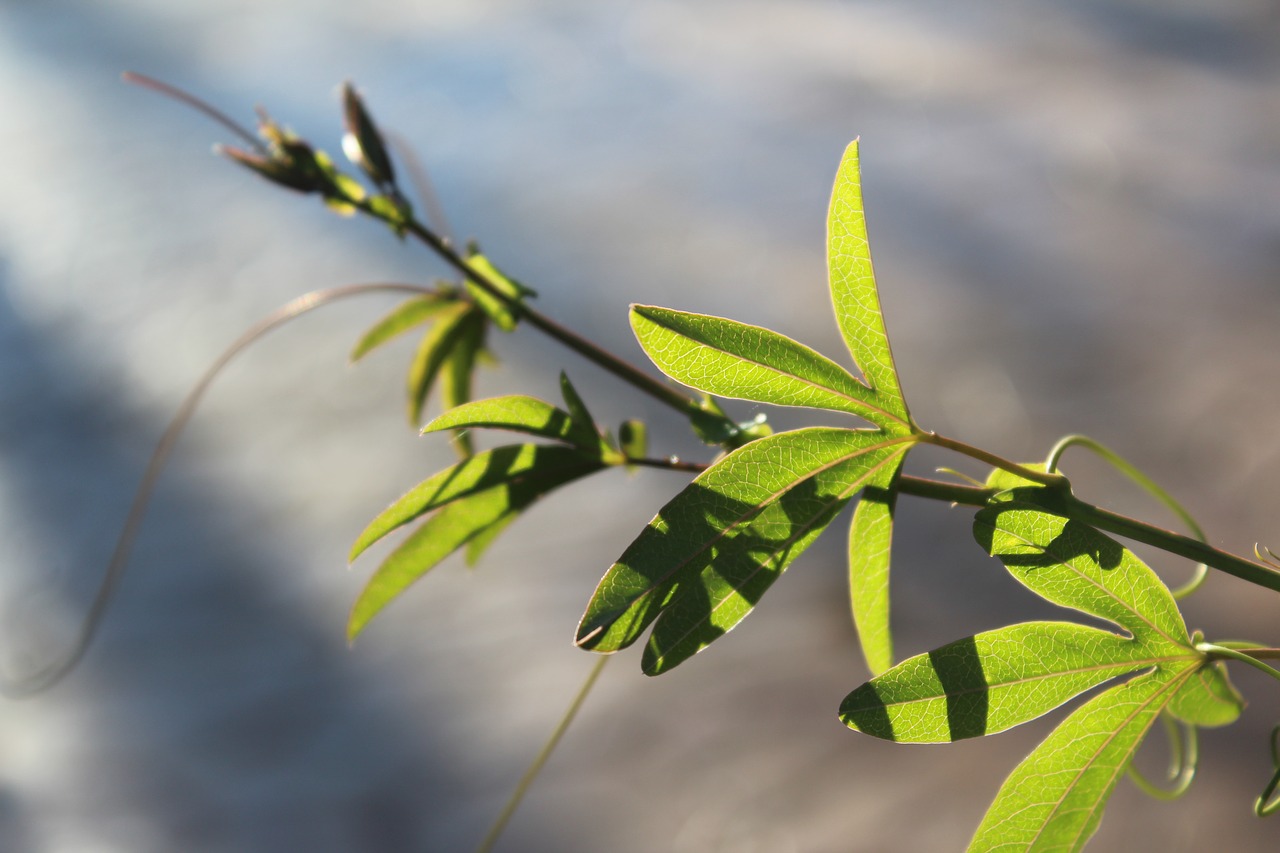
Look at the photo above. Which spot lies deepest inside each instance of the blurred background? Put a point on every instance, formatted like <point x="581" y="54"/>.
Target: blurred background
<point x="1075" y="210"/>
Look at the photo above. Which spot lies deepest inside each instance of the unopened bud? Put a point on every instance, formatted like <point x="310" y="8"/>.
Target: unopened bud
<point x="362" y="142"/>
<point x="278" y="171"/>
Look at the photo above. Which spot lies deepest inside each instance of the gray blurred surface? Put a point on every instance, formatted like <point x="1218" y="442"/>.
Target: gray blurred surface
<point x="1075" y="208"/>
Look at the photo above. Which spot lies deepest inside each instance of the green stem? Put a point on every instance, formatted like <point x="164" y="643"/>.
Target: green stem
<point x="1174" y="543"/>
<point x="1218" y="650"/>
<point x="1184" y="758"/>
<point x="624" y="370"/>
<point x="495" y="831"/>
<point x="1041" y="477"/>
<point x="939" y="490"/>
<point x="1139" y="531"/>
<point x="670" y="463"/>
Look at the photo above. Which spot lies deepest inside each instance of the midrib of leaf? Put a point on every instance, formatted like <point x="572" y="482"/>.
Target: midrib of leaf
<point x="1170" y="688"/>
<point x="1108" y="593"/>
<point x="787" y="543"/>
<point x="856" y="403"/>
<point x="1131" y="665"/>
<point x="853" y="284"/>
<point x="742" y="519"/>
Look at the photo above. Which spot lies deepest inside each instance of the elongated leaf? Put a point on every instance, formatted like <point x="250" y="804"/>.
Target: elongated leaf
<point x="870" y="542"/>
<point x="990" y="682"/>
<point x="733" y="359"/>
<point x="1073" y="565"/>
<point x="1054" y="799"/>
<point x="1208" y="699"/>
<point x="853" y="286"/>
<point x="405" y="316"/>
<point x="477" y="517"/>
<point x="458" y="372"/>
<point x="745" y="517"/>
<point x="436" y="347"/>
<point x="633" y="438"/>
<point x="521" y="414"/>
<point x="478" y="544"/>
<point x="575" y="406"/>
<point x="747" y="563"/>
<point x="502" y="465"/>
<point x="438" y="537"/>
<point x="500" y="311"/>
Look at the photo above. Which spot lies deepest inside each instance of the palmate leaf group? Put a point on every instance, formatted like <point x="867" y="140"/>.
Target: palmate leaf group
<point x="709" y="555"/>
<point x="469" y="504"/>
<point x="992" y="681"/>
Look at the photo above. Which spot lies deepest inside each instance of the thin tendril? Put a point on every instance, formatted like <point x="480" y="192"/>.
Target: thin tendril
<point x="1265" y="806"/>
<point x="495" y="831"/>
<point x="46" y="677"/>
<point x="1152" y="488"/>
<point x="195" y="103"/>
<point x="423" y="187"/>
<point x="1184" y="757"/>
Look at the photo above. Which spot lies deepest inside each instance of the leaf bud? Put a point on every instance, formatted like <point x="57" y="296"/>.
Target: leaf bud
<point x="362" y="142"/>
<point x="275" y="169"/>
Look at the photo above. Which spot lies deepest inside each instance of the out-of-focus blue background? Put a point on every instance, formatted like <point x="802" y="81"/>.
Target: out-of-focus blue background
<point x="1075" y="208"/>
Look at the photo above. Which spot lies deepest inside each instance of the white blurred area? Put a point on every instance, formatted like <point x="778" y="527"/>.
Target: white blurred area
<point x="1075" y="209"/>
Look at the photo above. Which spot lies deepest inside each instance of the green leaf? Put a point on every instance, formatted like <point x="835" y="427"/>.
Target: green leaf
<point x="512" y="464"/>
<point x="715" y="547"/>
<point x="853" y="287"/>
<point x="1208" y="699"/>
<point x="478" y="544"/>
<point x="1007" y="480"/>
<point x="577" y="408"/>
<point x="436" y="347"/>
<point x="989" y="682"/>
<point x="458" y="372"/>
<point x="520" y="414"/>
<point x="473" y="519"/>
<point x="733" y="359"/>
<point x="633" y="438"/>
<point x="442" y="534"/>
<point x="403" y="317"/>
<point x="870" y="542"/>
<point x="1054" y="799"/>
<point x="1076" y="566"/>
<point x="499" y="310"/>
<point x="749" y="559"/>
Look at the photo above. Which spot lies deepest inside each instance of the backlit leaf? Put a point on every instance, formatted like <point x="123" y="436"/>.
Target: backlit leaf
<point x="853" y="286"/>
<point x="499" y="310"/>
<point x="1053" y="800"/>
<point x="438" y="537"/>
<point x="1076" y="566"/>
<point x="434" y="350"/>
<point x="732" y="359"/>
<point x="750" y="559"/>
<point x="575" y="406"/>
<point x="727" y="536"/>
<point x="870" y="542"/>
<point x="989" y="682"/>
<point x="476" y="517"/>
<point x="502" y="465"/>
<point x="519" y="413"/>
<point x="458" y="372"/>
<point x="1208" y="698"/>
<point x="403" y="317"/>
